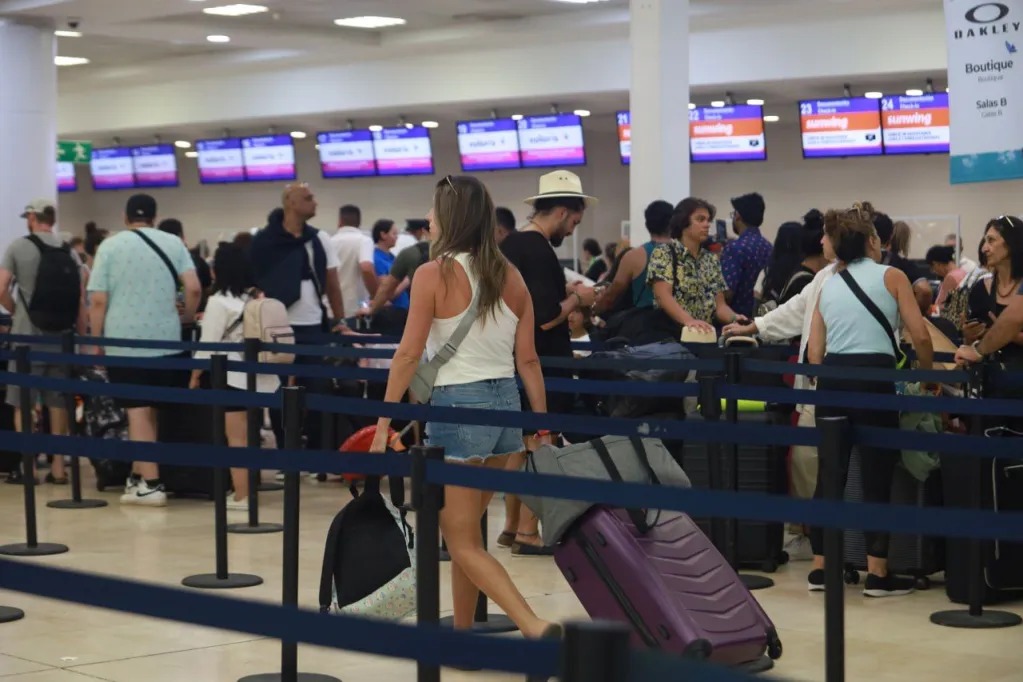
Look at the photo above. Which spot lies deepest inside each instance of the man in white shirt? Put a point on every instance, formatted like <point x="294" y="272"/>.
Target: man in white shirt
<point x="353" y="250"/>
<point x="415" y="232"/>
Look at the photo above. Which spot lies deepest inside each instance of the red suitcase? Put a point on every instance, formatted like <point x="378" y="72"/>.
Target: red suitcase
<point x="671" y="585"/>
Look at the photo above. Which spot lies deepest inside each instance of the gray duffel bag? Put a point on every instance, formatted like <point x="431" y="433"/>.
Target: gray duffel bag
<point x="612" y="458"/>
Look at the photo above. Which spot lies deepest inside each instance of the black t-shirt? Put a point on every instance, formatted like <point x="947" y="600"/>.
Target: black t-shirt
<point x="531" y="253"/>
<point x="914" y="273"/>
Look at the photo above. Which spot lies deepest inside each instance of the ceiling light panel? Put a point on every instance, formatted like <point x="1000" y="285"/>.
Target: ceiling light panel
<point x="219" y="39"/>
<point x="370" y="22"/>
<point x="68" y="34"/>
<point x="70" y="61"/>
<point x="236" y="10"/>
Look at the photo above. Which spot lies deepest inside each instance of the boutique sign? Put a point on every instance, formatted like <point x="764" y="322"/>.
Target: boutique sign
<point x="986" y="89"/>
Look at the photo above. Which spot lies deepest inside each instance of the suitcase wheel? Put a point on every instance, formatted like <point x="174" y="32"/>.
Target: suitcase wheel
<point x="852" y="577"/>
<point x="769" y="566"/>
<point x="774" y="648"/>
<point x="923" y="583"/>
<point x="699" y="649"/>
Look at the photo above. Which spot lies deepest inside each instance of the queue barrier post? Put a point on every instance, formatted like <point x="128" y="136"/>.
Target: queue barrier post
<point x="733" y="376"/>
<point x="427" y="500"/>
<point x="31" y="546"/>
<point x="294" y="409"/>
<point x="222" y="579"/>
<point x="253" y="425"/>
<point x="595" y="652"/>
<point x="834" y="450"/>
<point x="485" y="623"/>
<point x="710" y="410"/>
<point x="67" y="347"/>
<point x="976" y="617"/>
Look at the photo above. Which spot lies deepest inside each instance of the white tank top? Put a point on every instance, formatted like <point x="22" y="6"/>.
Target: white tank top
<point x="488" y="351"/>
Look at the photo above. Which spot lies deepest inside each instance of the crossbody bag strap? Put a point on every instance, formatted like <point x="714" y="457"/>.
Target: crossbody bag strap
<point x="161" y="254"/>
<point x="448" y="350"/>
<point x="312" y="268"/>
<point x="638" y="517"/>
<point x="873" y="310"/>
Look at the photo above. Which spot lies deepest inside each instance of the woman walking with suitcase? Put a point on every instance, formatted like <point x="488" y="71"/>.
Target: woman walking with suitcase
<point x="854" y="323"/>
<point x="468" y="276"/>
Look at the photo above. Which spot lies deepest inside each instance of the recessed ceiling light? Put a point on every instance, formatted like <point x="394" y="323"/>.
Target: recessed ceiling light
<point x="375" y="128"/>
<point x="583" y="113"/>
<point x="755" y="102"/>
<point x="218" y="39"/>
<point x="517" y="117"/>
<point x="70" y="61"/>
<point x="717" y="104"/>
<point x="691" y="106"/>
<point x="298" y="134"/>
<point x="183" y="144"/>
<point x="431" y="124"/>
<point x="771" y="118"/>
<point x="873" y="94"/>
<point x="914" y="92"/>
<point x="192" y="155"/>
<point x="409" y="126"/>
<point x="237" y="10"/>
<point x="68" y="34"/>
<point x="369" y="22"/>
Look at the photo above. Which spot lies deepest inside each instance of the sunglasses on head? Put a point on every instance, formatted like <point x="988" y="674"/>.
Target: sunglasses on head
<point x="1009" y="222"/>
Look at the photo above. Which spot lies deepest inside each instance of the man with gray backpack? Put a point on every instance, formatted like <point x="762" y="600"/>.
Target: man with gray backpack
<point x="48" y="302"/>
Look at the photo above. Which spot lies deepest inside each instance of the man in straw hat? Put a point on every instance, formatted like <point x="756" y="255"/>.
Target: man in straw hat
<point x="558" y="209"/>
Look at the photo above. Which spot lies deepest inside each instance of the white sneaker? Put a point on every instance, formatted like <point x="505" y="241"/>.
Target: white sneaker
<point x="145" y="496"/>
<point x="237" y="505"/>
<point x="798" y="548"/>
<point x="130" y="485"/>
<point x="279" y="476"/>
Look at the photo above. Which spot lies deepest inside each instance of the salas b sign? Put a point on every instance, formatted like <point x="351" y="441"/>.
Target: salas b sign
<point x="985" y="75"/>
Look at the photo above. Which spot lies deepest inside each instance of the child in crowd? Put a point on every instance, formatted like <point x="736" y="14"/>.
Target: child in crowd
<point x="222" y="323"/>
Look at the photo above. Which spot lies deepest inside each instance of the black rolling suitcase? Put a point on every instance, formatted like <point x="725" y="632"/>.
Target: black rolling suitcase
<point x="187" y="424"/>
<point x="761" y="469"/>
<point x="912" y="555"/>
<point x="1001" y="490"/>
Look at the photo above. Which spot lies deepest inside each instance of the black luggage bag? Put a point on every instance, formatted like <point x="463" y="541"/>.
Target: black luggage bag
<point x="1001" y="490"/>
<point x="761" y="469"/>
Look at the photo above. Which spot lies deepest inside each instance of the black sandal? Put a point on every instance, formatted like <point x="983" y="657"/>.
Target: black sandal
<point x="527" y="550"/>
<point x="50" y="478"/>
<point x="506" y="539"/>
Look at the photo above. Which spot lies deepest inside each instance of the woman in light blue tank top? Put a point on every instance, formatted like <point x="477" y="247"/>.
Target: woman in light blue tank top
<point x="857" y="314"/>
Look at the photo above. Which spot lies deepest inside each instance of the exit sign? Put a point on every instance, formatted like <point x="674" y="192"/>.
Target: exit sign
<point x="74" y="151"/>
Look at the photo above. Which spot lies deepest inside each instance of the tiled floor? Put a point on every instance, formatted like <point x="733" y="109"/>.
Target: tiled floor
<point x="887" y="640"/>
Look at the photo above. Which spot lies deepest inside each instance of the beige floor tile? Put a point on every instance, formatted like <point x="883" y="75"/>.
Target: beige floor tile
<point x="887" y="640"/>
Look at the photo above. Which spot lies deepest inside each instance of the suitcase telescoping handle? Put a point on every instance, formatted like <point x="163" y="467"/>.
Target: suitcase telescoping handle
<point x="744" y="341"/>
<point x="638" y="516"/>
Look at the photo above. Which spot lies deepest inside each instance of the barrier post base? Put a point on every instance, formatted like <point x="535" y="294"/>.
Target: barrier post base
<point x="300" y="677"/>
<point x="9" y="614"/>
<point x="988" y="620"/>
<point x="495" y="624"/>
<point x="233" y="581"/>
<point x="40" y="549"/>
<point x="755" y="582"/>
<point x="262" y="528"/>
<point x="77" y="504"/>
<point x="270" y="487"/>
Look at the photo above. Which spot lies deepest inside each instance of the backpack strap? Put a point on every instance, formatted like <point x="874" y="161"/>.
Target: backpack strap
<point x="161" y="254"/>
<point x="873" y="310"/>
<point x="638" y="517"/>
<point x="329" y="556"/>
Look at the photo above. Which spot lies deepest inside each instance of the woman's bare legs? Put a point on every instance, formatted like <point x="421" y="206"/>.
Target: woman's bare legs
<point x="236" y="426"/>
<point x="473" y="568"/>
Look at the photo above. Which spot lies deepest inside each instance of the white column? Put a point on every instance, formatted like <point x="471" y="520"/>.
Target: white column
<point x="660" y="107"/>
<point x="28" y="121"/>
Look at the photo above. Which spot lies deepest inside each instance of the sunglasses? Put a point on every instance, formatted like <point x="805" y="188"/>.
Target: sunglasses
<point x="1008" y="222"/>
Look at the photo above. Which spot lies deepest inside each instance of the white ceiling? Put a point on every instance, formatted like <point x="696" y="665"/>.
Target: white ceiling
<point x="132" y="40"/>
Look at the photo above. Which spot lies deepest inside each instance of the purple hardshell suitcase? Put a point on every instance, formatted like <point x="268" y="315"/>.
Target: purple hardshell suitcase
<point x="671" y="585"/>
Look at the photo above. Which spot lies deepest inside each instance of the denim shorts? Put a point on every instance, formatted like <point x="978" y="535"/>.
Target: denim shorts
<point x="469" y="442"/>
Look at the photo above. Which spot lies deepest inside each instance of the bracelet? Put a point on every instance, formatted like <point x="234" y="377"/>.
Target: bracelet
<point x="976" y="347"/>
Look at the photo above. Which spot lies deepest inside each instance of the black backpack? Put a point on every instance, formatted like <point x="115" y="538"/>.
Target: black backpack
<point x="367" y="547"/>
<point x="56" y="297"/>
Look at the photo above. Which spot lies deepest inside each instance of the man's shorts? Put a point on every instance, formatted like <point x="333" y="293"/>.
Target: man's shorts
<point x="39" y="369"/>
<point x="153" y="379"/>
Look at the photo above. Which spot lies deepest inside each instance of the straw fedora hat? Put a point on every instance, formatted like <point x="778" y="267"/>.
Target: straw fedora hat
<point x="562" y="183"/>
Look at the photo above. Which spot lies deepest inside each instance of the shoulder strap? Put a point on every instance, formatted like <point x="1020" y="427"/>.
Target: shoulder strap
<point x="309" y="250"/>
<point x="638" y="516"/>
<point x="161" y="254"/>
<point x="872" y="309"/>
<point x="796" y="276"/>
<point x="329" y="557"/>
<point x="40" y="244"/>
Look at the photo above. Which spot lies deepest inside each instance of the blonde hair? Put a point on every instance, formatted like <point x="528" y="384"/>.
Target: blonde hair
<point x="467" y="220"/>
<point x="850" y="231"/>
<point x="900" y="239"/>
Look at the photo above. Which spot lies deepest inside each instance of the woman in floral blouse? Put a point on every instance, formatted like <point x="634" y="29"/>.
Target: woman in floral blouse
<point x="686" y="279"/>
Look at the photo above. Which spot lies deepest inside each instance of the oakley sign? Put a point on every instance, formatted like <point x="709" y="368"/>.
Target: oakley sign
<point x="988" y="13"/>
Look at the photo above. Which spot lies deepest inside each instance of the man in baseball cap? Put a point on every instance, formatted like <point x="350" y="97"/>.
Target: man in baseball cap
<point x="140" y="210"/>
<point x="41" y="207"/>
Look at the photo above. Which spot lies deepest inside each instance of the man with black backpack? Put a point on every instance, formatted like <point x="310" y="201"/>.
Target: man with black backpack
<point x="48" y="302"/>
